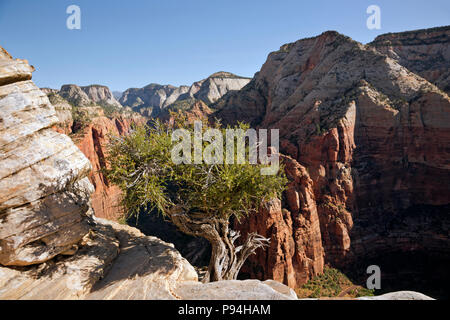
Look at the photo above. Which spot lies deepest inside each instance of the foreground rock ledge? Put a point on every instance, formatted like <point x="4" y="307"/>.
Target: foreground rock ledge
<point x="119" y="262"/>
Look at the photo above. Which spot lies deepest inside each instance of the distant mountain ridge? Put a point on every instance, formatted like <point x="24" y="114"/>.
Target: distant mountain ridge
<point x="152" y="98"/>
<point x="425" y="52"/>
<point x="85" y="96"/>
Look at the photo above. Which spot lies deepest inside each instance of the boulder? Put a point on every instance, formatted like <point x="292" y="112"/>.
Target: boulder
<point x="119" y="262"/>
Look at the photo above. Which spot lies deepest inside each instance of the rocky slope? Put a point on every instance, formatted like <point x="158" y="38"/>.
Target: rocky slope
<point x="117" y="262"/>
<point x="44" y="197"/>
<point x="50" y="245"/>
<point x="369" y="140"/>
<point x="63" y="111"/>
<point x="92" y="141"/>
<point x="425" y="52"/>
<point x="153" y="98"/>
<point x="101" y="95"/>
<point x="86" y="96"/>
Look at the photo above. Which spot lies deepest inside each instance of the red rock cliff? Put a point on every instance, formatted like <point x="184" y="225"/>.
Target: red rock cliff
<point x="92" y="142"/>
<point x="369" y="141"/>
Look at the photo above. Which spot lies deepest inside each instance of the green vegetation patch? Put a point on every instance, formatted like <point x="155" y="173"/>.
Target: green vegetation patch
<point x="332" y="283"/>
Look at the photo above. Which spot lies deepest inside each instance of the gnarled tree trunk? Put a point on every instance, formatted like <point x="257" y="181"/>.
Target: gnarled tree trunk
<point x="226" y="258"/>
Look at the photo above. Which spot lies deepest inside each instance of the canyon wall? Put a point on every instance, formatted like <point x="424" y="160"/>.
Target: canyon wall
<point x="370" y="140"/>
<point x="93" y="141"/>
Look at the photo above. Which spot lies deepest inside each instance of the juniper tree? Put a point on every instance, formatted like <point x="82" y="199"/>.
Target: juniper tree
<point x="198" y="198"/>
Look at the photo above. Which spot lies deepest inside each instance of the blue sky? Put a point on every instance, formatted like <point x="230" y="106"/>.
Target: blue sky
<point x="132" y="43"/>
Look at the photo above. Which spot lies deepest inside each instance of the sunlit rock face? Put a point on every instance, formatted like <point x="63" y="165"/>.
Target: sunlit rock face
<point x="425" y="52"/>
<point x="154" y="98"/>
<point x="44" y="189"/>
<point x="93" y="141"/>
<point x="372" y="137"/>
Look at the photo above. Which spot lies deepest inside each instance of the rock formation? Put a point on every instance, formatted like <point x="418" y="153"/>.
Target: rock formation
<point x="119" y="262"/>
<point x="369" y="141"/>
<point x="88" y="95"/>
<point x="425" y="52"/>
<point x="295" y="252"/>
<point x="117" y="94"/>
<point x="44" y="189"/>
<point x="74" y="95"/>
<point x="101" y="95"/>
<point x="153" y="98"/>
<point x="63" y="111"/>
<point x="93" y="141"/>
<point x="89" y="127"/>
<point x="51" y="247"/>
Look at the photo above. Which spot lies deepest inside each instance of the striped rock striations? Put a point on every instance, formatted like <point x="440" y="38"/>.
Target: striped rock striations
<point x="369" y="139"/>
<point x="44" y="198"/>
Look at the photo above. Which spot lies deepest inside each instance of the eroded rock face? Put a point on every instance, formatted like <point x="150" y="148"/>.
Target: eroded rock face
<point x="152" y="99"/>
<point x="101" y="95"/>
<point x="44" y="189"/>
<point x="425" y="52"/>
<point x="93" y="141"/>
<point x="88" y="95"/>
<point x="119" y="262"/>
<point x="73" y="94"/>
<point x="63" y="111"/>
<point x="372" y="138"/>
<point x="295" y="253"/>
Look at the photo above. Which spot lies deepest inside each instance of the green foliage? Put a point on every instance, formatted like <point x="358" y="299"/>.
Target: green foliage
<point x="141" y="165"/>
<point x="332" y="283"/>
<point x="110" y="109"/>
<point x="182" y="105"/>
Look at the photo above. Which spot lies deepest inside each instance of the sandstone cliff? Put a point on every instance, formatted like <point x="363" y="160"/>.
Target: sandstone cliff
<point x="117" y="262"/>
<point x="425" y="52"/>
<point x="153" y="98"/>
<point x="101" y="95"/>
<point x="88" y="95"/>
<point x="369" y="143"/>
<point x="44" y="196"/>
<point x="63" y="111"/>
<point x="92" y="141"/>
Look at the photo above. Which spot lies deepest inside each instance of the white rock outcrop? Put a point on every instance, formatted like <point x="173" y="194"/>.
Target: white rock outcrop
<point x="44" y="190"/>
<point x="119" y="262"/>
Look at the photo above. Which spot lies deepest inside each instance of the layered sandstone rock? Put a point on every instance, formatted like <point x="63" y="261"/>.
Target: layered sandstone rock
<point x="154" y="98"/>
<point x="295" y="253"/>
<point x="372" y="138"/>
<point x="44" y="189"/>
<point x="73" y="94"/>
<point x="425" y="52"/>
<point x="63" y="112"/>
<point x="119" y="262"/>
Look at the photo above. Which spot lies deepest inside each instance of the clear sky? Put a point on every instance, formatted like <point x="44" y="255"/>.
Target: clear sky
<point x="132" y="43"/>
